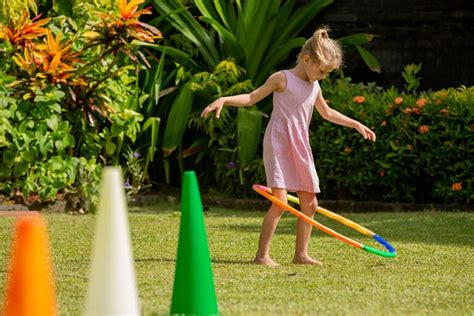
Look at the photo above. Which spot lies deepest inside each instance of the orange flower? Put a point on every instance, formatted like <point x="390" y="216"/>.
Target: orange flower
<point x="444" y="111"/>
<point x="348" y="150"/>
<point x="398" y="100"/>
<point x="457" y="186"/>
<point x="421" y="102"/>
<point x="423" y="129"/>
<point x="407" y="110"/>
<point x="384" y="123"/>
<point x="472" y="127"/>
<point x="410" y="146"/>
<point x="382" y="172"/>
<point x="359" y="99"/>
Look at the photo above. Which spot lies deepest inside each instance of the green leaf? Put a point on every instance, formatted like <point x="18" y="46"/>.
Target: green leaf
<point x="59" y="145"/>
<point x="55" y="107"/>
<point x="20" y="168"/>
<point x="356" y="39"/>
<point x="109" y="147"/>
<point x="52" y="122"/>
<point x="207" y="8"/>
<point x="227" y="14"/>
<point x="249" y="127"/>
<point x="152" y="123"/>
<point x="185" y="23"/>
<point x="231" y="42"/>
<point x="30" y="155"/>
<point x="369" y="59"/>
<point x="63" y="7"/>
<point x="177" y="120"/>
<point x="69" y="141"/>
<point x="179" y="55"/>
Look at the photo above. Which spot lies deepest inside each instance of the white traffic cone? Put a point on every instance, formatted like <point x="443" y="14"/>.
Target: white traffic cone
<point x="112" y="289"/>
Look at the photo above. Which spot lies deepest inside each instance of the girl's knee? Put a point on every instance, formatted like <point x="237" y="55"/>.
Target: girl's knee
<point x="310" y="206"/>
<point x="276" y="209"/>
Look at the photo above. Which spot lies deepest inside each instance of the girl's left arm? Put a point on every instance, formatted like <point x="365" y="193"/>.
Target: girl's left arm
<point x="336" y="117"/>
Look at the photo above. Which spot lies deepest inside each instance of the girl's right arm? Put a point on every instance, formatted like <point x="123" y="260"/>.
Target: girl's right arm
<point x="276" y="82"/>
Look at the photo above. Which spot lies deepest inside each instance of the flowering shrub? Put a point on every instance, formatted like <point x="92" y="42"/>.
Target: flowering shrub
<point x="69" y="103"/>
<point x="423" y="151"/>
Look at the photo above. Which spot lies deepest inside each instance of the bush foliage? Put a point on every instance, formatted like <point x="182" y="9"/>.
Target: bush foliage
<point x="424" y="145"/>
<point x="69" y="102"/>
<point x="80" y="89"/>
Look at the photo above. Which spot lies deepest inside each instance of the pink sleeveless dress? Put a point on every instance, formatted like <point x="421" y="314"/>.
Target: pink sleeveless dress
<point x="287" y="155"/>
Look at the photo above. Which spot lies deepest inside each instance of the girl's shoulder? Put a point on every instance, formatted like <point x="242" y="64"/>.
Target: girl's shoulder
<point x="278" y="79"/>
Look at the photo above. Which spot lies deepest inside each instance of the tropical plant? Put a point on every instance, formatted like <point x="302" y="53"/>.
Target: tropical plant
<point x="13" y="11"/>
<point x="69" y="101"/>
<point x="250" y="32"/>
<point x="215" y="141"/>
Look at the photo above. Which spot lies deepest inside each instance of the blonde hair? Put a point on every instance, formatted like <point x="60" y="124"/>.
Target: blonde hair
<point x="322" y="48"/>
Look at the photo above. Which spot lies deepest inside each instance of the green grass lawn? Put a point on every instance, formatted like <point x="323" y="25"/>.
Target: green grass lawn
<point x="433" y="273"/>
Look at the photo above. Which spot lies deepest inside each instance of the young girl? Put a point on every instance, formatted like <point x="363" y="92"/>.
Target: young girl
<point x="287" y="156"/>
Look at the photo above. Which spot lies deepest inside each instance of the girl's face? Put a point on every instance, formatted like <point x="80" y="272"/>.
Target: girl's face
<point x="315" y="70"/>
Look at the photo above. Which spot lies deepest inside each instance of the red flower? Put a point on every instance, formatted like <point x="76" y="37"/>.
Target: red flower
<point x="416" y="111"/>
<point x="457" y="186"/>
<point x="398" y="100"/>
<point x="423" y="129"/>
<point x="359" y="99"/>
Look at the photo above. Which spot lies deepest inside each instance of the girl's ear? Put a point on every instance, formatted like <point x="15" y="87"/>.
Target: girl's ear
<point x="306" y="58"/>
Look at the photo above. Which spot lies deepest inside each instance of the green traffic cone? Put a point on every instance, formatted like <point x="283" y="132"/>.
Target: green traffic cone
<point x="193" y="291"/>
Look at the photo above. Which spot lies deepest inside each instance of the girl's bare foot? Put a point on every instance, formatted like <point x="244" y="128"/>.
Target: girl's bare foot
<point x="266" y="261"/>
<point x="306" y="260"/>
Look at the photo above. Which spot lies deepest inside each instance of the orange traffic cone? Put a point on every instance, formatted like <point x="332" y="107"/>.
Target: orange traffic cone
<point x="30" y="289"/>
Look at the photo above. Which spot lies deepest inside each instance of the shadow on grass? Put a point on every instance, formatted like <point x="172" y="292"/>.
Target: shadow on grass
<point x="439" y="228"/>
<point x="214" y="260"/>
<point x="429" y="227"/>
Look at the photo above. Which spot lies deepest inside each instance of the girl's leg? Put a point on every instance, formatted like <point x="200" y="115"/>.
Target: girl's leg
<point x="269" y="224"/>
<point x="308" y="204"/>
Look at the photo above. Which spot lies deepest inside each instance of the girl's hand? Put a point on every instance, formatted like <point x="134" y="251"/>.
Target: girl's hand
<point x="366" y="132"/>
<point x="214" y="106"/>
